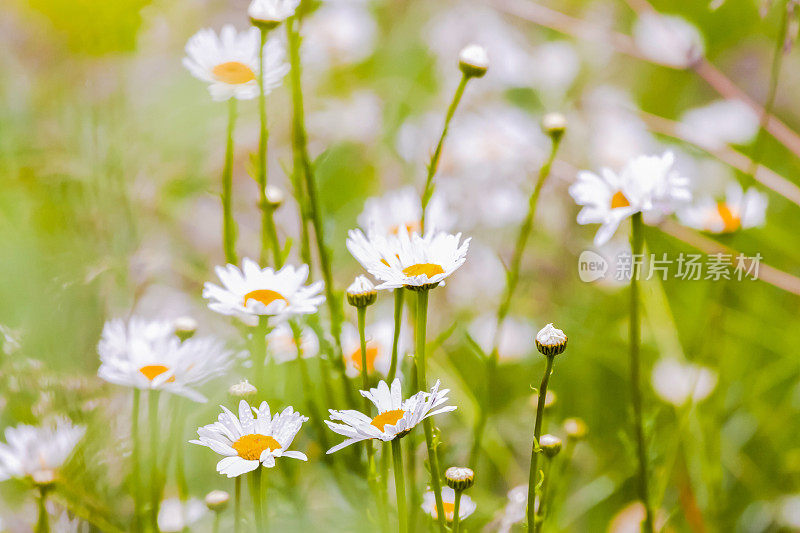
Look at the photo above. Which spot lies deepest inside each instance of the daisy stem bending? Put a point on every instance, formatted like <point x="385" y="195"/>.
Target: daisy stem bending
<point x="533" y="476"/>
<point x="269" y="234"/>
<point x="400" y="485"/>
<point x="237" y="505"/>
<point x="135" y="461"/>
<point x="456" y="505"/>
<point x="398" y="323"/>
<point x="229" y="226"/>
<point x="434" y="163"/>
<point x="436" y="477"/>
<point x="256" y="494"/>
<point x="637" y="244"/>
<point x="42" y="523"/>
<point x="155" y="490"/>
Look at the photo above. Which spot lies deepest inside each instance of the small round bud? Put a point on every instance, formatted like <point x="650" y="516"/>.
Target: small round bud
<point x="274" y="196"/>
<point x="268" y="14"/>
<point x="184" y="327"/>
<point x="550" y="445"/>
<point x="551" y="341"/>
<point x="576" y="428"/>
<point x="44" y="478"/>
<point x="217" y="500"/>
<point x="554" y="125"/>
<point x="243" y="389"/>
<point x="473" y="61"/>
<point x="459" y="477"/>
<point x="361" y="292"/>
<point x="550" y="398"/>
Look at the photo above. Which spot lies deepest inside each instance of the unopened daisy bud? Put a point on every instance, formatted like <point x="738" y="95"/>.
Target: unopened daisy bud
<point x="473" y="61"/>
<point x="576" y="428"/>
<point x="274" y="196"/>
<point x="554" y="125"/>
<point x="185" y="327"/>
<point x="551" y="341"/>
<point x="267" y="14"/>
<point x="217" y="500"/>
<point x="459" y="477"/>
<point x="243" y="389"/>
<point x="44" y="478"/>
<point x="550" y="445"/>
<point x="361" y="292"/>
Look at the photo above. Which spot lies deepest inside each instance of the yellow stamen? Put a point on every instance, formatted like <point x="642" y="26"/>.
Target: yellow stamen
<point x="428" y="269"/>
<point x="372" y="354"/>
<point x="251" y="446"/>
<point x="151" y="372"/>
<point x="410" y="227"/>
<point x="619" y="200"/>
<point x="449" y="511"/>
<point x="265" y="296"/>
<point x="233" y="73"/>
<point x="730" y="220"/>
<point x="388" y="417"/>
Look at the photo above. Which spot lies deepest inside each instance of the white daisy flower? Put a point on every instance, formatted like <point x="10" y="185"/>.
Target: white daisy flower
<point x="401" y="211"/>
<point x="739" y="210"/>
<point x="465" y="508"/>
<point x="647" y="184"/>
<point x="229" y="63"/>
<point x="40" y="451"/>
<point x="720" y="123"/>
<point x="668" y="40"/>
<point x="148" y="355"/>
<point x="409" y="260"/>
<point x="379" y="337"/>
<point x="283" y="348"/>
<point x="271" y="11"/>
<point x="175" y="515"/>
<point x="252" y="292"/>
<point x="395" y="417"/>
<point x="515" y="509"/>
<point x="247" y="441"/>
<point x="677" y="383"/>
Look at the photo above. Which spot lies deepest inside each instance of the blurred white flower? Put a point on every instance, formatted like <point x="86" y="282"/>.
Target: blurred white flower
<point x="395" y="418"/>
<point x="38" y="450"/>
<point x="229" y="63"/>
<point x="379" y="337"/>
<point x="482" y="278"/>
<point x="282" y="345"/>
<point x="401" y="210"/>
<point x="252" y="292"/>
<point x="148" y="355"/>
<point x="789" y="512"/>
<point x="339" y="33"/>
<point x="668" y="40"/>
<point x="355" y="118"/>
<point x="629" y="519"/>
<point x="719" y="124"/>
<point x="466" y="506"/>
<point x="739" y="210"/>
<point x="647" y="184"/>
<point x="515" y="509"/>
<point x="271" y="11"/>
<point x="408" y="260"/>
<point x="175" y="515"/>
<point x="62" y="524"/>
<point x="516" y="336"/>
<point x="557" y="66"/>
<point x="248" y="441"/>
<point x="676" y="382"/>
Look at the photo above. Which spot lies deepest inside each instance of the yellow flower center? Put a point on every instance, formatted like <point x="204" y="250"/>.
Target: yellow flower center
<point x="265" y="296"/>
<point x="372" y="354"/>
<point x="449" y="511"/>
<point x="250" y="447"/>
<point x="619" y="200"/>
<point x="233" y="73"/>
<point x="427" y="269"/>
<point x="730" y="220"/>
<point x="388" y="417"/>
<point x="151" y="372"/>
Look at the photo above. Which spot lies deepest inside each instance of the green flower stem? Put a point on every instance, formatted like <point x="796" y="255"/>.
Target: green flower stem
<point x="269" y="234"/>
<point x="155" y="489"/>
<point x="533" y="476"/>
<point x="229" y="226"/>
<point x="257" y="495"/>
<point x="434" y="163"/>
<point x="135" y="463"/>
<point x="308" y="391"/>
<point x="512" y="278"/>
<point x="541" y="512"/>
<point x="398" y="323"/>
<point x="456" y="508"/>
<point x="436" y="477"/>
<point x="215" y="527"/>
<point x="237" y="505"/>
<point x="42" y="523"/>
<point x="180" y="466"/>
<point x="637" y="244"/>
<point x="258" y="352"/>
<point x="400" y="486"/>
